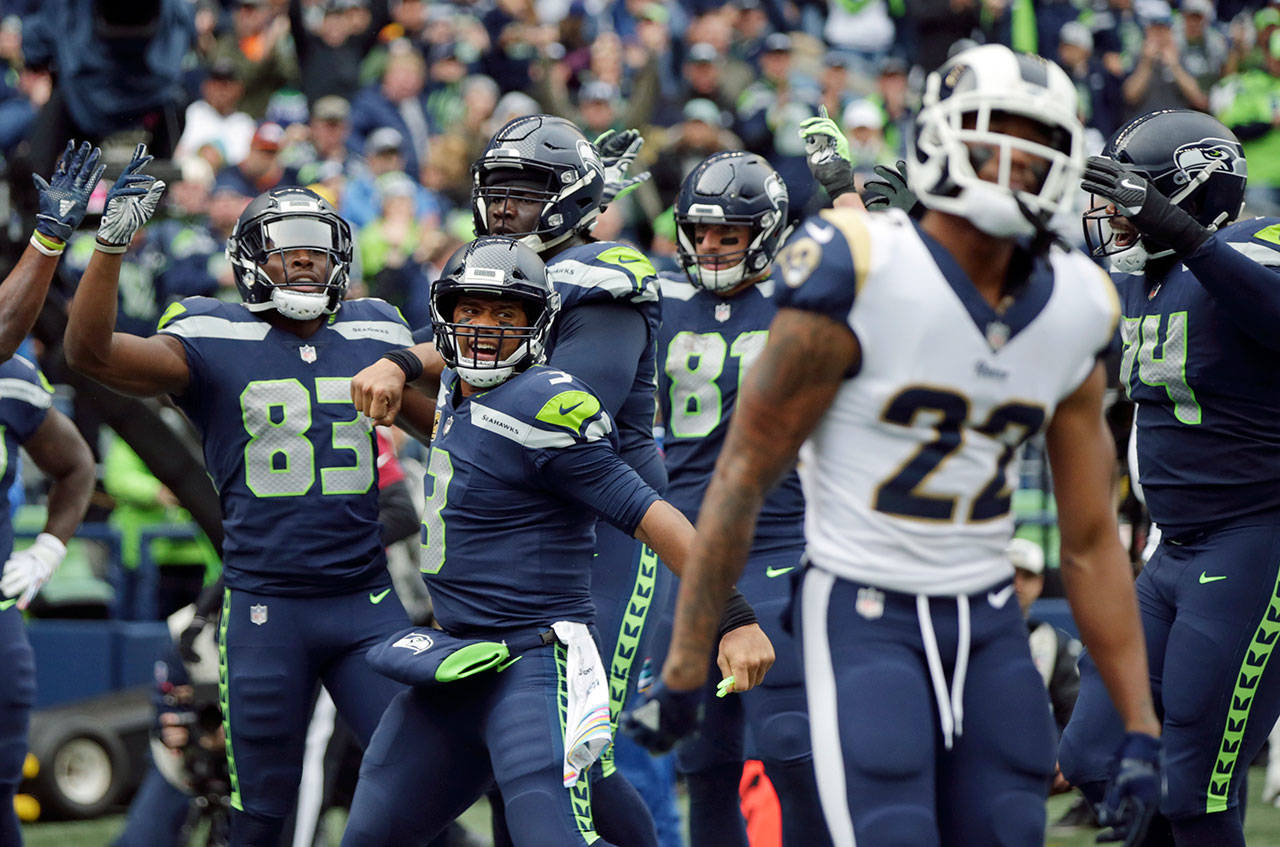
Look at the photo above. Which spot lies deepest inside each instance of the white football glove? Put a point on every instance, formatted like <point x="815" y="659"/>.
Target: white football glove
<point x="130" y="203"/>
<point x="28" y="570"/>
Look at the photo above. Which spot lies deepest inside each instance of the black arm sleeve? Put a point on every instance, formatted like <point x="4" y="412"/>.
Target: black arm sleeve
<point x="601" y="344"/>
<point x="396" y="514"/>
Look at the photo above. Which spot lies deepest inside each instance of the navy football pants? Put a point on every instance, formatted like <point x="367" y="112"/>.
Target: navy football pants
<point x="1211" y="615"/>
<point x="437" y="749"/>
<point x="17" y="695"/>
<point x="883" y="771"/>
<point x="273" y="651"/>
<point x="769" y="723"/>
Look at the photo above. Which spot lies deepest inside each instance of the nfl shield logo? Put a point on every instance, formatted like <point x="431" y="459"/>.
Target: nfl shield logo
<point x="870" y="603"/>
<point x="308" y="353"/>
<point x="258" y="614"/>
<point x="722" y="312"/>
<point x="997" y="334"/>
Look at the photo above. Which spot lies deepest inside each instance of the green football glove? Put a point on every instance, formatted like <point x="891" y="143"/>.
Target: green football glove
<point x="826" y="151"/>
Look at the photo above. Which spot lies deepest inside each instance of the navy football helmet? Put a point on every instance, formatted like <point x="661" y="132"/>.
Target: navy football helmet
<point x="1190" y="158"/>
<point x="543" y="158"/>
<point x="499" y="267"/>
<point x="733" y="188"/>
<point x="281" y="221"/>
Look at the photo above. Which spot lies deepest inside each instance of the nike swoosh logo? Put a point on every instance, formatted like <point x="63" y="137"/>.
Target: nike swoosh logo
<point x="772" y="572"/>
<point x="1205" y="579"/>
<point x="565" y="411"/>
<point x="1124" y="183"/>
<point x="7" y="603"/>
<point x="997" y="599"/>
<point x="375" y="599"/>
<point x="822" y="235"/>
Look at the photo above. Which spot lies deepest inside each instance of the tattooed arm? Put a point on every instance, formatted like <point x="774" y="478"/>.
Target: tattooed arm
<point x="782" y="399"/>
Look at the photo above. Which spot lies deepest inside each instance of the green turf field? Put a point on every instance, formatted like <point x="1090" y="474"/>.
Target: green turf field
<point x="1262" y="825"/>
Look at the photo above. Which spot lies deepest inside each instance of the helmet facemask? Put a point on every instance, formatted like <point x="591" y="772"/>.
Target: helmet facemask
<point x="474" y="350"/>
<point x="954" y="143"/>
<point x="282" y="235"/>
<point x="751" y="261"/>
<point x="495" y="182"/>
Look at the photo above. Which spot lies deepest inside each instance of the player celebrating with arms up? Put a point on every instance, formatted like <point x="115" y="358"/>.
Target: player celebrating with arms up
<point x="911" y="361"/>
<point x="523" y="459"/>
<point x="267" y="383"/>
<point x="1204" y="290"/>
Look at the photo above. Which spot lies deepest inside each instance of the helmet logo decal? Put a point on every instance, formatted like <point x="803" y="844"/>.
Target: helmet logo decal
<point x="590" y="158"/>
<point x="1194" y="157"/>
<point x="775" y="189"/>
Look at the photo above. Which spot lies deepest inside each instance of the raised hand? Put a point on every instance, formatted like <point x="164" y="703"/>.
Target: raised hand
<point x="65" y="197"/>
<point x="891" y="191"/>
<point x="826" y="151"/>
<point x="618" y="151"/>
<point x="1150" y="212"/>
<point x="130" y="203"/>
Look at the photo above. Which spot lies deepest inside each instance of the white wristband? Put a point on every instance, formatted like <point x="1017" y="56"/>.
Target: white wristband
<point x="103" y="247"/>
<point x="39" y="245"/>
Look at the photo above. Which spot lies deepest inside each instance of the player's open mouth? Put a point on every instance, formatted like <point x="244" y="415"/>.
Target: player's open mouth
<point x="484" y="351"/>
<point x="1125" y="234"/>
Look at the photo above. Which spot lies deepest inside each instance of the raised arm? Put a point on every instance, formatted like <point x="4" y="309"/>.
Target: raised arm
<point x="63" y="200"/>
<point x="126" y="363"/>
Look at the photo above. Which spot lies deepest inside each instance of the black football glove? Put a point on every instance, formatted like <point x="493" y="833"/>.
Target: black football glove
<point x="890" y="191"/>
<point x="1150" y="212"/>
<point x="187" y="640"/>
<point x="1133" y="794"/>
<point x="663" y="718"/>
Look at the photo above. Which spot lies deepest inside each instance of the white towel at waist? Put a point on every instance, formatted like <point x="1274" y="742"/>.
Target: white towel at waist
<point x="586" y="729"/>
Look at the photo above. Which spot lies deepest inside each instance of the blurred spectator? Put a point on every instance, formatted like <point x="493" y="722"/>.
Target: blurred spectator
<point x="1053" y="651"/>
<point x="940" y="23"/>
<point x="362" y="202"/>
<point x="392" y="246"/>
<point x="215" y="118"/>
<point x="1160" y="80"/>
<point x="685" y="145"/>
<point x="1203" y="48"/>
<point x="399" y="103"/>
<point x="448" y="172"/>
<point x="260" y="170"/>
<point x="331" y="39"/>
<point x="516" y="37"/>
<point x="1118" y="35"/>
<point x="259" y="46"/>
<point x="891" y="96"/>
<point x="116" y="66"/>
<point x="701" y="80"/>
<point x="836" y="83"/>
<point x="862" y="29"/>
<point x="596" y="111"/>
<point x="327" y="140"/>
<point x="479" y="100"/>
<point x="760" y="106"/>
<point x="736" y="66"/>
<point x="863" y="124"/>
<point x="23" y="92"/>
<point x="1099" y="91"/>
<point x="446" y="72"/>
<point x="1252" y="111"/>
<point x="196" y="245"/>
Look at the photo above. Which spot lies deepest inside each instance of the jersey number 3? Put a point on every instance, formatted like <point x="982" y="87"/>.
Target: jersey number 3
<point x="279" y="460"/>
<point x="905" y="493"/>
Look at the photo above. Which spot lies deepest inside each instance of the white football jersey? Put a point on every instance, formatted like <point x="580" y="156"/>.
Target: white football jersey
<point x="909" y="475"/>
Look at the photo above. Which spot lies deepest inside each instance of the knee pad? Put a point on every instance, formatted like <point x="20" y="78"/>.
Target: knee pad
<point x="1016" y="819"/>
<point x="783" y="737"/>
<point x="543" y="822"/>
<point x="898" y="826"/>
<point x="887" y="731"/>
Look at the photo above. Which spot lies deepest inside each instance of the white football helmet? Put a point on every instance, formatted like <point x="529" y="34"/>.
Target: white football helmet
<point x="953" y="127"/>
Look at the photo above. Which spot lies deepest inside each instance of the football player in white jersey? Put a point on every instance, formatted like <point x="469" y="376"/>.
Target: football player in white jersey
<point x="911" y="360"/>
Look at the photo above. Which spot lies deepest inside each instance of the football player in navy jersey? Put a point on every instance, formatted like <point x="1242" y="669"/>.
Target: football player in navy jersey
<point x="28" y="422"/>
<point x="911" y="360"/>
<point x="523" y="460"/>
<point x="266" y="382"/>
<point x="731" y="218"/>
<point x="1200" y="295"/>
<point x="540" y="180"/>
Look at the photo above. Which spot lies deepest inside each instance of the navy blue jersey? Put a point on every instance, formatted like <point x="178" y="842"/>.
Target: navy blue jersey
<point x="293" y="462"/>
<point x="516" y="478"/>
<point x="1206" y="381"/>
<point x="705" y="347"/>
<point x="607" y="272"/>
<point x="25" y="398"/>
